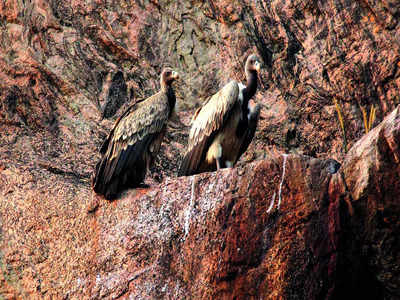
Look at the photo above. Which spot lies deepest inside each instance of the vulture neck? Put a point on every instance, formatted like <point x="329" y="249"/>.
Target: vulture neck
<point x="248" y="92"/>
<point x="251" y="87"/>
<point x="169" y="91"/>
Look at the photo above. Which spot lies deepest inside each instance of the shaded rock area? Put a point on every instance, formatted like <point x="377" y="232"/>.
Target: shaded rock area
<point x="289" y="226"/>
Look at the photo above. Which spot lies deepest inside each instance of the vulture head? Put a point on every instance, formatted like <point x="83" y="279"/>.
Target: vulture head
<point x="167" y="77"/>
<point x="252" y="65"/>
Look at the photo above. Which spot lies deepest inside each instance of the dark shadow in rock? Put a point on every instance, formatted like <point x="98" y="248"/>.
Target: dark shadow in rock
<point x="117" y="95"/>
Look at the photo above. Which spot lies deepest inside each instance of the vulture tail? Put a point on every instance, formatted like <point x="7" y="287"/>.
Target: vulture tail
<point x="192" y="159"/>
<point x="126" y="170"/>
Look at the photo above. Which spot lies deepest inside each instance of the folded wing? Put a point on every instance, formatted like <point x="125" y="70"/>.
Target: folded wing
<point x="130" y="146"/>
<point x="209" y="120"/>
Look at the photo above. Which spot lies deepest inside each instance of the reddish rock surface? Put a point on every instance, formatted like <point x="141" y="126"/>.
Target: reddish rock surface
<point x="68" y="69"/>
<point x="284" y="227"/>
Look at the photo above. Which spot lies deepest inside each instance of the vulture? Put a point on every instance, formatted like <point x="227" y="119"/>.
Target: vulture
<point x="134" y="141"/>
<point x="224" y="126"/>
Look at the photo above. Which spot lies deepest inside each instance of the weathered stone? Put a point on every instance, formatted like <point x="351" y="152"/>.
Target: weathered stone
<point x="281" y="227"/>
<point x="65" y="64"/>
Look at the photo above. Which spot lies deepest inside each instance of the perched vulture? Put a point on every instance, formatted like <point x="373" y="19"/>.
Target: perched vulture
<point x="224" y="126"/>
<point x="134" y="141"/>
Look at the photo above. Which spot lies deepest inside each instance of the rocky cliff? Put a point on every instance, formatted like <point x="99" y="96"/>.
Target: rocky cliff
<point x="284" y="224"/>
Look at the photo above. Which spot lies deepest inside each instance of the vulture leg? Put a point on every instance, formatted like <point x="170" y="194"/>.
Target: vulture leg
<point x="220" y="163"/>
<point x="218" y="160"/>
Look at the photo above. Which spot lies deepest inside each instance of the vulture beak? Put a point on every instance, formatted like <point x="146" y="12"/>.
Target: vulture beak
<point x="257" y="66"/>
<point x="175" y="75"/>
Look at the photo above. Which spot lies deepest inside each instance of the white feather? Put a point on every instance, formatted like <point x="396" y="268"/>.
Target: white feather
<point x="241" y="88"/>
<point x="252" y="110"/>
<point x="219" y="151"/>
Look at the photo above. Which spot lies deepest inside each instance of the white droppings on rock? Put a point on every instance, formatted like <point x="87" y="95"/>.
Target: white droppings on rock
<point x="188" y="211"/>
<point x="283" y="177"/>
<point x="208" y="199"/>
<point x="199" y="209"/>
<point x="272" y="203"/>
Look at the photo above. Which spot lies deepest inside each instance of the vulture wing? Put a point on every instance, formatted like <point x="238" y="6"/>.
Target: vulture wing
<point x="125" y="148"/>
<point x="208" y="121"/>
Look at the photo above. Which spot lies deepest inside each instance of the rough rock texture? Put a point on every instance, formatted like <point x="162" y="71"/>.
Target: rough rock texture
<point x="284" y="227"/>
<point x="69" y="68"/>
<point x="72" y="62"/>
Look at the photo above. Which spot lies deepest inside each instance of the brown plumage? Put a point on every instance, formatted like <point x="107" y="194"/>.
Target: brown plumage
<point x="134" y="141"/>
<point x="224" y="126"/>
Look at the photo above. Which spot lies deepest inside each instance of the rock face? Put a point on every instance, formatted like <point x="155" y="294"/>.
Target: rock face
<point x="283" y="226"/>
<point x="68" y="63"/>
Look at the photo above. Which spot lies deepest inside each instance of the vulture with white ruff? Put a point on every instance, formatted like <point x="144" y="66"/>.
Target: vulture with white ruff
<point x="224" y="126"/>
<point x="134" y="141"/>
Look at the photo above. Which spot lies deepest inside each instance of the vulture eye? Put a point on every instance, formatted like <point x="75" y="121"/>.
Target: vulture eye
<point x="168" y="73"/>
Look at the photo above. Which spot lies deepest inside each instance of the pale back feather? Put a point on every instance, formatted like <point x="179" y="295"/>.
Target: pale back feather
<point x="213" y="114"/>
